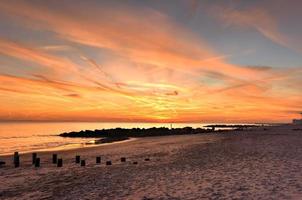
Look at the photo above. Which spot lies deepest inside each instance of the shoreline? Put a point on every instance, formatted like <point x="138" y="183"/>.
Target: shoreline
<point x="113" y="138"/>
<point x="117" y="140"/>
<point x="63" y="148"/>
<point x="80" y="148"/>
<point x="33" y="137"/>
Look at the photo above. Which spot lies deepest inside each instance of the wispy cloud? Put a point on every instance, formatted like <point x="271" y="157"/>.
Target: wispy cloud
<point x="254" y="17"/>
<point x="51" y="64"/>
<point x="150" y="37"/>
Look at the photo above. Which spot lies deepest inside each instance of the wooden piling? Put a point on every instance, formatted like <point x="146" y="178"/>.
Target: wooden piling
<point x="34" y="157"/>
<point x="60" y="162"/>
<point x="2" y="163"/>
<point x="77" y="159"/>
<point x="37" y="162"/>
<point x="108" y="162"/>
<point x="83" y="163"/>
<point x="16" y="154"/>
<point x="98" y="160"/>
<point x="123" y="159"/>
<point x="16" y="159"/>
<point x="54" y="158"/>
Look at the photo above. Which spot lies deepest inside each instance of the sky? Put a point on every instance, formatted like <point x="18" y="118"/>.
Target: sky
<point x="151" y="60"/>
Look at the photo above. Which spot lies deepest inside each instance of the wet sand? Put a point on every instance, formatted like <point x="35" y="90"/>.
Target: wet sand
<point x="258" y="164"/>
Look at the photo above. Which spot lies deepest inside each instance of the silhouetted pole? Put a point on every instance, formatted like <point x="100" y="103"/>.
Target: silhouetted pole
<point x="2" y="163"/>
<point x="60" y="162"/>
<point x="83" y="163"/>
<point x="37" y="162"/>
<point x="77" y="159"/>
<point x="16" y="159"/>
<point x="98" y="160"/>
<point x="54" y="158"/>
<point x="34" y="156"/>
<point x="16" y="154"/>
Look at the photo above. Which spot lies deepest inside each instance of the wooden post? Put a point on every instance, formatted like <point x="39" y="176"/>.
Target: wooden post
<point x="34" y="157"/>
<point x="60" y="162"/>
<point x="37" y="162"/>
<point x="123" y="159"/>
<point x="16" y="159"/>
<point x="77" y="159"/>
<point x="83" y="163"/>
<point x="16" y="154"/>
<point x="54" y="158"/>
<point x="98" y="160"/>
<point x="108" y="162"/>
<point x="2" y="163"/>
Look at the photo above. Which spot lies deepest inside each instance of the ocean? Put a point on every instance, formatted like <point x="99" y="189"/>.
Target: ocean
<point x="43" y="136"/>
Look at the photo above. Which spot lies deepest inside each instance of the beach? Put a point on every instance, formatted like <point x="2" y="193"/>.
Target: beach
<point x="262" y="163"/>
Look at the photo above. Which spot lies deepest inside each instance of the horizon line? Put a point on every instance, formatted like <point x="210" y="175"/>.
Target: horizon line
<point x="96" y="121"/>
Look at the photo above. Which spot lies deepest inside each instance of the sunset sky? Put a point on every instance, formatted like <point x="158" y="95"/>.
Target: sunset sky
<point x="151" y="60"/>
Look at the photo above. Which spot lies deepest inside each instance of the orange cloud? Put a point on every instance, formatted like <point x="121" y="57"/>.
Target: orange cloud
<point x="145" y="37"/>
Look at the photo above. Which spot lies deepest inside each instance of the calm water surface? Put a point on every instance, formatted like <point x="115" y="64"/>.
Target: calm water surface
<point x="31" y="136"/>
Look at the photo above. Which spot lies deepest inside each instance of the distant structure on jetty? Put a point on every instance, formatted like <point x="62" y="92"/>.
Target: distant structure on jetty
<point x="298" y="121"/>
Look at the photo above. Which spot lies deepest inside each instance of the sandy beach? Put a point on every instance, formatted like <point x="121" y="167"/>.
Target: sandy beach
<point x="254" y="164"/>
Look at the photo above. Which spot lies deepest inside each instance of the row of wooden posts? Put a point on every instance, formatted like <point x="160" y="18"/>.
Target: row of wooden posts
<point x="59" y="161"/>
